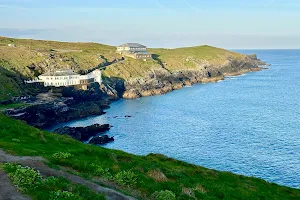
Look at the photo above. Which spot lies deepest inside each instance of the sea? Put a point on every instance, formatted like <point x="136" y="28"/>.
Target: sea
<point x="248" y="124"/>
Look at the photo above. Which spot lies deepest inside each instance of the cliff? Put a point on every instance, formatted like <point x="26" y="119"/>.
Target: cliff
<point x="123" y="77"/>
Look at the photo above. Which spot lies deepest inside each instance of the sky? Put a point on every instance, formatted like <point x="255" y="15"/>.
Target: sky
<point x="231" y="24"/>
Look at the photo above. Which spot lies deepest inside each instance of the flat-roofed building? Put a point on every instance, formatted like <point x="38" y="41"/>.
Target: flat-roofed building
<point x="68" y="77"/>
<point x="134" y="50"/>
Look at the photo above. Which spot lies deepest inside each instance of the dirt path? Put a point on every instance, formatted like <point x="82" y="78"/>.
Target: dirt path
<point x="37" y="163"/>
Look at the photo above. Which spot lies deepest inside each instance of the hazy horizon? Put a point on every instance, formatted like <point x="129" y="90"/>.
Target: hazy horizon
<point x="264" y="24"/>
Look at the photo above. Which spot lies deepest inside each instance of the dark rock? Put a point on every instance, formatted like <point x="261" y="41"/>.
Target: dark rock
<point x="101" y="139"/>
<point x="127" y="116"/>
<point x="48" y="114"/>
<point x="161" y="80"/>
<point x="83" y="133"/>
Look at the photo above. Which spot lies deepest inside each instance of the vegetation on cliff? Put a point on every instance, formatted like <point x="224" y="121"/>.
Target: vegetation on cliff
<point x="143" y="177"/>
<point x="29" y="58"/>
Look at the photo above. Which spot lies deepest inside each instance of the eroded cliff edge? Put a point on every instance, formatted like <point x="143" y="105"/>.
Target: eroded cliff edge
<point x="161" y="81"/>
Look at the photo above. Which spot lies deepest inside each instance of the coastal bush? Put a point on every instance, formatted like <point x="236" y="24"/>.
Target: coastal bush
<point x="33" y="184"/>
<point x="52" y="181"/>
<point x="24" y="177"/>
<point x="61" y="155"/>
<point x="126" y="178"/>
<point x="104" y="173"/>
<point x="16" y="140"/>
<point x="163" y="195"/>
<point x="62" y="195"/>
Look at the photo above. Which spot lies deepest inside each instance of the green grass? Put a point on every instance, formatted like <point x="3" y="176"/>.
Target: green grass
<point x="13" y="105"/>
<point x="143" y="175"/>
<point x="194" y="57"/>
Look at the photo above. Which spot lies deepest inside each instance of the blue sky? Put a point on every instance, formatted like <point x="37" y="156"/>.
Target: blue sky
<point x="157" y="23"/>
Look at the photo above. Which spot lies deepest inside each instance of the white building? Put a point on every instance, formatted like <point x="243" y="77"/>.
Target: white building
<point x="68" y="77"/>
<point x="134" y="50"/>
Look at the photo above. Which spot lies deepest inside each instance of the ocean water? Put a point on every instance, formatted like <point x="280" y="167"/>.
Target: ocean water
<point x="248" y="124"/>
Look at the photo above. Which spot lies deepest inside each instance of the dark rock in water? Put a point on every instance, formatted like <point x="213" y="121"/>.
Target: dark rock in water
<point x="101" y="139"/>
<point x="127" y="116"/>
<point x="83" y="133"/>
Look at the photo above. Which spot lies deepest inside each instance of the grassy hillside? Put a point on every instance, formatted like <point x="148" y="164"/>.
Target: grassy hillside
<point x="140" y="176"/>
<point x="30" y="58"/>
<point x="191" y="57"/>
<point x="28" y="52"/>
<point x="172" y="60"/>
<point x="9" y="81"/>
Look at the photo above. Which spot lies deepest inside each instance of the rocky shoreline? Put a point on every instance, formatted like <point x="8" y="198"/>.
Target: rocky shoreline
<point x="162" y="81"/>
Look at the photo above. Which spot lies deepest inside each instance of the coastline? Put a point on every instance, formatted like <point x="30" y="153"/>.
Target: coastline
<point x="171" y="86"/>
<point x="40" y="116"/>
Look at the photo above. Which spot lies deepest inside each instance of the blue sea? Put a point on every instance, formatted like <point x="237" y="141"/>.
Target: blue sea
<point x="248" y="124"/>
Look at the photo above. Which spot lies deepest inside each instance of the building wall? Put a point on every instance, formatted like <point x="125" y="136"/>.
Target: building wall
<point x="58" y="81"/>
<point x="131" y="49"/>
<point x="143" y="56"/>
<point x="87" y="81"/>
<point x="138" y="49"/>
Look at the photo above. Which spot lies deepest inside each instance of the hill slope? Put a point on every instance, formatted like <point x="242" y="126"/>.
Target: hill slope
<point x="170" y="69"/>
<point x="140" y="176"/>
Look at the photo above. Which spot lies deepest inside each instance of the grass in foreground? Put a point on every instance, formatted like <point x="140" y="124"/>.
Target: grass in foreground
<point x="143" y="176"/>
<point x="30" y="182"/>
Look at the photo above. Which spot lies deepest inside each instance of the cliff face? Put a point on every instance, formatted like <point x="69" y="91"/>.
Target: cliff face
<point x="161" y="81"/>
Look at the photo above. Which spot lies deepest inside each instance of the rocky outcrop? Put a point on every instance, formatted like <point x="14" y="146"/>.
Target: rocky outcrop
<point x="63" y="104"/>
<point x="98" y="140"/>
<point x="83" y="133"/>
<point x="161" y="81"/>
<point x="254" y="58"/>
<point x="48" y="114"/>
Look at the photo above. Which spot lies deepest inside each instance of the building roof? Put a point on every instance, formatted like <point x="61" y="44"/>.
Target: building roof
<point x="133" y="45"/>
<point x="64" y="72"/>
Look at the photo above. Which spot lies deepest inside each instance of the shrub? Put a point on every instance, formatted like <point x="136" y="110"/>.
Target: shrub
<point x="9" y="167"/>
<point x="16" y="140"/>
<point x="99" y="171"/>
<point x="24" y="177"/>
<point x="127" y="178"/>
<point x="52" y="181"/>
<point x="163" y="195"/>
<point x="61" y="195"/>
<point x="61" y="155"/>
